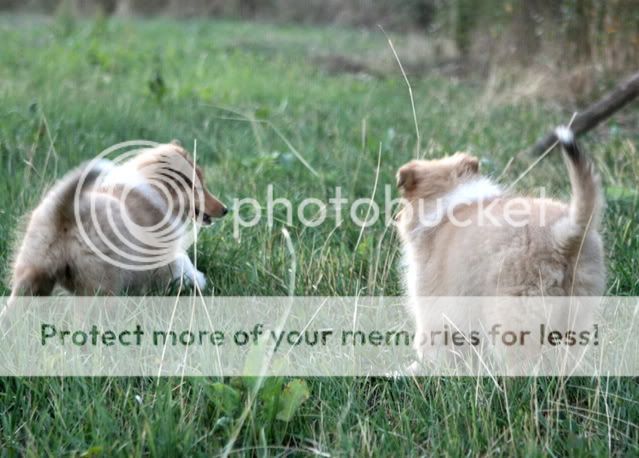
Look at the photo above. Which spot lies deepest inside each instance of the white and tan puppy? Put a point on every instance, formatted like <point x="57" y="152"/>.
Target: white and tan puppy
<point x="463" y="236"/>
<point x="111" y="229"/>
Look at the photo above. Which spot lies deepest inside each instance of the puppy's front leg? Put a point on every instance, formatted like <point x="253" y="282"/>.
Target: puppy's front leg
<point x="182" y="267"/>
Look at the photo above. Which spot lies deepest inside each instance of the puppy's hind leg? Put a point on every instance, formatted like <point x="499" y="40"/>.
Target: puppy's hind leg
<point x="28" y="281"/>
<point x="31" y="281"/>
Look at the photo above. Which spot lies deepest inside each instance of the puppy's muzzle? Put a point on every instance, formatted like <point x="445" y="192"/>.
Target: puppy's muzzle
<point x="206" y="218"/>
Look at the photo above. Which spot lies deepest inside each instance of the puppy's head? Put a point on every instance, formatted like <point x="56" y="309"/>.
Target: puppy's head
<point x="420" y="179"/>
<point x="181" y="181"/>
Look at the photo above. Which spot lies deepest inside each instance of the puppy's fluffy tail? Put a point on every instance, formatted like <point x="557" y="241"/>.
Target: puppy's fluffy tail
<point x="586" y="203"/>
<point x="62" y="195"/>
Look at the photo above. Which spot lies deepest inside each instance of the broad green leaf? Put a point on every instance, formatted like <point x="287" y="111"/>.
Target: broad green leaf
<point x="295" y="393"/>
<point x="96" y="450"/>
<point x="269" y="395"/>
<point x="224" y="397"/>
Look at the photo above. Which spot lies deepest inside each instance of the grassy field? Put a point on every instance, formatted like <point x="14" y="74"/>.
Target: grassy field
<point x="265" y="109"/>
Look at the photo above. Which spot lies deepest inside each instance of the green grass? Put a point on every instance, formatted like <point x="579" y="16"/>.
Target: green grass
<point x="70" y="89"/>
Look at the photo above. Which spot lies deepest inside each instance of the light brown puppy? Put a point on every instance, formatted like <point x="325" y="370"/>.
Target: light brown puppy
<point x="463" y="236"/>
<point x="111" y="229"/>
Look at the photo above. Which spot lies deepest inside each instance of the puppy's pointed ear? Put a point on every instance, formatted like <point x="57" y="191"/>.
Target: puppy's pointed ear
<point x="468" y="165"/>
<point x="176" y="142"/>
<point x="406" y="178"/>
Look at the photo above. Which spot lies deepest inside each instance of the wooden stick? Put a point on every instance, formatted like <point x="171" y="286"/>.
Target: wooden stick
<point x="616" y="99"/>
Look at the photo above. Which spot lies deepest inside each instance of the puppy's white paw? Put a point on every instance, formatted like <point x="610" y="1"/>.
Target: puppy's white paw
<point x="184" y="268"/>
<point x="413" y="369"/>
<point x="194" y="277"/>
<point x="200" y="279"/>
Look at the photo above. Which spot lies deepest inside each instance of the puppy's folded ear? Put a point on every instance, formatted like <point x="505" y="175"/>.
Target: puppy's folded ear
<point x="406" y="178"/>
<point x="176" y="142"/>
<point x="468" y="165"/>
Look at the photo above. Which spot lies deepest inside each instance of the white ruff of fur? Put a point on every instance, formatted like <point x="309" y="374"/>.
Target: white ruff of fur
<point x="468" y="193"/>
<point x="131" y="178"/>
